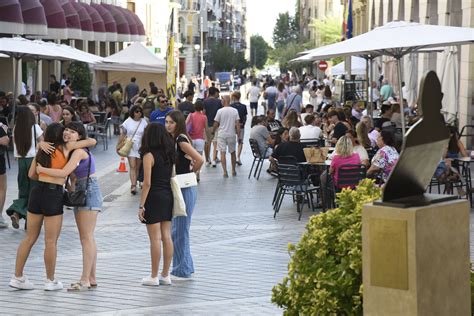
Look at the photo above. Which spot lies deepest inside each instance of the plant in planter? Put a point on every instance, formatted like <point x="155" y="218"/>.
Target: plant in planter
<point x="325" y="270"/>
<point x="81" y="78"/>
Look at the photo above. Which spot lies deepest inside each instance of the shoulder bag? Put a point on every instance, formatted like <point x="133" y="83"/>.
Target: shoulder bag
<point x="78" y="197"/>
<point x="188" y="179"/>
<point x="179" y="206"/>
<point x="125" y="146"/>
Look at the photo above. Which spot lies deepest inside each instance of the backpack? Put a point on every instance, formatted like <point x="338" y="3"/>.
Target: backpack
<point x="149" y="106"/>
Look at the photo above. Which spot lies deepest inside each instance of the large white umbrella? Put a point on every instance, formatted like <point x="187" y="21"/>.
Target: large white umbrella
<point x="358" y="67"/>
<point x="449" y="77"/>
<point x="396" y="39"/>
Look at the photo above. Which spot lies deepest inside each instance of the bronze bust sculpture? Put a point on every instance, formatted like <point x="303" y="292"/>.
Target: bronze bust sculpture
<point x="422" y="149"/>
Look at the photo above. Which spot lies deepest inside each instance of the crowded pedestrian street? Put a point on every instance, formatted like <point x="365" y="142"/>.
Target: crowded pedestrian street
<point x="237" y="157"/>
<point x="240" y="251"/>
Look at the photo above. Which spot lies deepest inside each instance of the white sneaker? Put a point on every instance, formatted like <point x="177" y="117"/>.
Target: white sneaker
<point x="213" y="163"/>
<point x="53" y="285"/>
<point x="164" y="280"/>
<point x="149" y="281"/>
<point x="208" y="163"/>
<point x="21" y="283"/>
<point x="3" y="223"/>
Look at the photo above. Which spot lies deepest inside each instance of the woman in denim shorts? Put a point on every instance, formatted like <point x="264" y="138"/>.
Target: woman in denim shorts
<point x="82" y="162"/>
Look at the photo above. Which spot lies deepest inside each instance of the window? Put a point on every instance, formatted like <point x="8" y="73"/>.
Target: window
<point x="131" y="6"/>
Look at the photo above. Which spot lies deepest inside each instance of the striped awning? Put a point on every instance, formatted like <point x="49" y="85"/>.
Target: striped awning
<point x="73" y="22"/>
<point x="97" y="23"/>
<point x="86" y="21"/>
<point x="109" y="22"/>
<point x="34" y="18"/>
<point x="123" y="29"/>
<point x="11" y="17"/>
<point x="57" y="27"/>
<point x="132" y="24"/>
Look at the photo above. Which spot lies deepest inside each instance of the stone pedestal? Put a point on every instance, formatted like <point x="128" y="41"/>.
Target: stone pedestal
<point x="416" y="260"/>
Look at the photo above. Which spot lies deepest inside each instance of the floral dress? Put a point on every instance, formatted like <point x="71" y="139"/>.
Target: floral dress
<point x="385" y="158"/>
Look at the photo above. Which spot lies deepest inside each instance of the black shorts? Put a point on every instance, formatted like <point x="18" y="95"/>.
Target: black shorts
<point x="253" y="105"/>
<point x="3" y="167"/>
<point x="46" y="199"/>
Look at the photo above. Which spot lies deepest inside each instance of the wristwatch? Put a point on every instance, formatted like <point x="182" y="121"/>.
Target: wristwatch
<point x="141" y="207"/>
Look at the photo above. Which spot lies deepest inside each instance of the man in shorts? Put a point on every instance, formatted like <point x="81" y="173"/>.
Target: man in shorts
<point x="242" y="109"/>
<point x="228" y="125"/>
<point x="253" y="95"/>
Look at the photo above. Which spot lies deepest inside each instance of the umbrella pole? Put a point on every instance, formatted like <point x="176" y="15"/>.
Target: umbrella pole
<point x="369" y="110"/>
<point x="402" y="108"/>
<point x="15" y="87"/>
<point x="371" y="98"/>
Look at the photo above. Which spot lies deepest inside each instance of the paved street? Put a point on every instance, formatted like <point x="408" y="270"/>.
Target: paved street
<point x="240" y="252"/>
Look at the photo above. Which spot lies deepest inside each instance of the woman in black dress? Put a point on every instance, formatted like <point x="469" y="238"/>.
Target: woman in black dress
<point x="156" y="202"/>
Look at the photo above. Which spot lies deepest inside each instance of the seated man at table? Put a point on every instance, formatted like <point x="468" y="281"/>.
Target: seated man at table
<point x="310" y="132"/>
<point x="340" y="128"/>
<point x="273" y="125"/>
<point x="261" y="135"/>
<point x="291" y="148"/>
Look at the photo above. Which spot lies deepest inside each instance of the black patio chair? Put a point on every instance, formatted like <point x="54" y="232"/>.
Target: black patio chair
<point x="101" y="131"/>
<point x="258" y="158"/>
<point x="349" y="176"/>
<point x="293" y="181"/>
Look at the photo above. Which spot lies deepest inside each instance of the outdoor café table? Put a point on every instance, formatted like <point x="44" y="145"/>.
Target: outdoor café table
<point x="465" y="164"/>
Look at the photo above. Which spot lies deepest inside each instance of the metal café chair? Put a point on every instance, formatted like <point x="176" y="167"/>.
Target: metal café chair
<point x="258" y="158"/>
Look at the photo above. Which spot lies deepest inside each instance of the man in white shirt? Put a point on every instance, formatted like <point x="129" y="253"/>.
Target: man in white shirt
<point x="227" y="121"/>
<point x="253" y="95"/>
<point x="310" y="132"/>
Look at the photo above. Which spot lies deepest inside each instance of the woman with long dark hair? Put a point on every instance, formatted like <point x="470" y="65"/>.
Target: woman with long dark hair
<point x="26" y="134"/>
<point x="82" y="164"/>
<point x="68" y="115"/>
<point x="182" y="261"/>
<point x="156" y="201"/>
<point x="46" y="204"/>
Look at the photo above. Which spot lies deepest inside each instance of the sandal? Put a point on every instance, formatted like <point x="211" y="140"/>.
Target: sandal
<point x="133" y="189"/>
<point x="15" y="221"/>
<point x="78" y="287"/>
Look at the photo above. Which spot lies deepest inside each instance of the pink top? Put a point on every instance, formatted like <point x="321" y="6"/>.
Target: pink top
<point x="67" y="94"/>
<point x="54" y="115"/>
<point x="338" y="161"/>
<point x="198" y="121"/>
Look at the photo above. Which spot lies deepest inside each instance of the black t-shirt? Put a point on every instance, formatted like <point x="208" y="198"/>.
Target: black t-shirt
<point x="294" y="149"/>
<point x="182" y="163"/>
<point x="339" y="130"/>
<point x="274" y="126"/>
<point x="54" y="87"/>
<point x="380" y="122"/>
<point x="242" y="109"/>
<point x="186" y="107"/>
<point x="211" y="105"/>
<point x="191" y="86"/>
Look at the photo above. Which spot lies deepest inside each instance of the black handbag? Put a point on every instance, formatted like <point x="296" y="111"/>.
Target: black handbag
<point x="77" y="197"/>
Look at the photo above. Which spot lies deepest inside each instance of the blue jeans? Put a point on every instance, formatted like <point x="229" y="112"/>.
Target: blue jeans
<point x="280" y="107"/>
<point x="182" y="261"/>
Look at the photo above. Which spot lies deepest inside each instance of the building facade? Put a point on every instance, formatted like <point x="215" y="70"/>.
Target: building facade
<point x="219" y="22"/>
<point x="310" y="10"/>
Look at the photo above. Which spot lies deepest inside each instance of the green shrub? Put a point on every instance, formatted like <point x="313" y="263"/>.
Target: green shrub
<point x="325" y="269"/>
<point x="81" y="78"/>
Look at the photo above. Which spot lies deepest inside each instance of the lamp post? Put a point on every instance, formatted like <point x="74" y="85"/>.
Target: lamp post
<point x="202" y="50"/>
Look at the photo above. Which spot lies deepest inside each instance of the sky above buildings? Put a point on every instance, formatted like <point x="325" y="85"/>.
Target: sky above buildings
<point x="262" y="15"/>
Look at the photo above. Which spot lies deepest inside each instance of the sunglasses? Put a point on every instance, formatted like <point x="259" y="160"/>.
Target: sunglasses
<point x="138" y="111"/>
<point x="164" y="101"/>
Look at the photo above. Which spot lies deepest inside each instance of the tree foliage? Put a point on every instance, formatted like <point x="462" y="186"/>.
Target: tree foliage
<point x="282" y="55"/>
<point x="81" y="78"/>
<point x="286" y="30"/>
<point x="328" y="30"/>
<point x="224" y="58"/>
<point x="259" y="51"/>
<point x="325" y="269"/>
